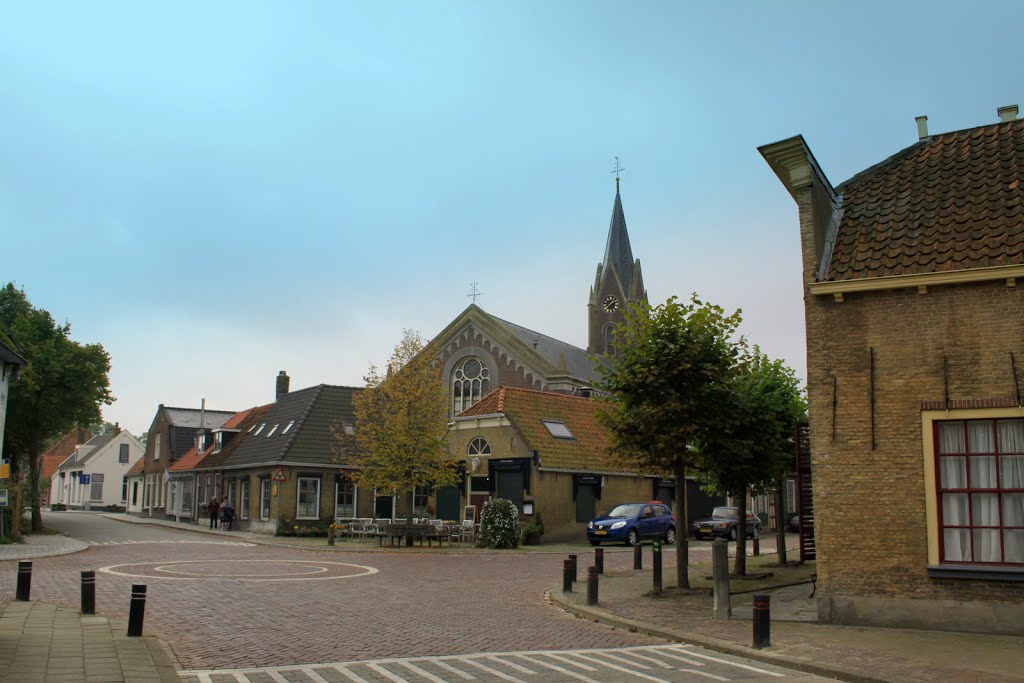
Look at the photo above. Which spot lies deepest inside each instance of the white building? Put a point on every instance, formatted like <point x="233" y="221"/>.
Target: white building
<point x="11" y="363"/>
<point x="94" y="476"/>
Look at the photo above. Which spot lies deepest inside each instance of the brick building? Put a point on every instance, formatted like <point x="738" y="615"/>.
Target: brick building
<point x="915" y="341"/>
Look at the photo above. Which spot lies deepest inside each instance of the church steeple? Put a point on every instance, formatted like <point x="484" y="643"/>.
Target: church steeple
<point x="619" y="280"/>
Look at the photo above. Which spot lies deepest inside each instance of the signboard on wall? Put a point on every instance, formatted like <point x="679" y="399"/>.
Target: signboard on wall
<point x="84" y="478"/>
<point x="3" y="498"/>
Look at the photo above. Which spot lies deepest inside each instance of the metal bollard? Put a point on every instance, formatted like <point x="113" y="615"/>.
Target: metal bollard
<point x="757" y="547"/>
<point x="89" y="592"/>
<point x="592" y="586"/>
<point x="638" y="557"/>
<point x="567" y="576"/>
<point x="599" y="560"/>
<point x="575" y="575"/>
<point x="24" y="589"/>
<point x="137" y="610"/>
<point x="657" y="568"/>
<point x="330" y="535"/>
<point x="762" y="621"/>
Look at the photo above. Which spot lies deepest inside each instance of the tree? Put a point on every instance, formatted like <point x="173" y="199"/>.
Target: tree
<point x="751" y="447"/>
<point x="401" y="431"/>
<point x="662" y="385"/>
<point x="63" y="385"/>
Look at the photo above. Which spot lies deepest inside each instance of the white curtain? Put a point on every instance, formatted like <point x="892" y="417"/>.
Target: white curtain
<point x="1013" y="516"/>
<point x="951" y="437"/>
<point x="981" y="438"/>
<point x="983" y="472"/>
<point x="1011" y="436"/>
<point x="953" y="472"/>
<point x="1012" y="474"/>
<point x="985" y="513"/>
<point x="956" y="543"/>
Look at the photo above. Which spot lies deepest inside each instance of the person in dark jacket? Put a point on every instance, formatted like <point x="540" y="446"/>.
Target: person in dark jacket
<point x="214" y="509"/>
<point x="227" y="514"/>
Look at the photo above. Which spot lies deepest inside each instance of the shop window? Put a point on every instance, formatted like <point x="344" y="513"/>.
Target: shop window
<point x="308" y="503"/>
<point x="344" y="499"/>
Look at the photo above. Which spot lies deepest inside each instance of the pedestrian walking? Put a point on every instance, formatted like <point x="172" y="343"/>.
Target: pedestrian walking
<point x="213" y="507"/>
<point x="227" y="514"/>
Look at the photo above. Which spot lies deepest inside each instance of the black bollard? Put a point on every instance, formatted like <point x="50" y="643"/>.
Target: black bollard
<point x="599" y="560"/>
<point x="575" y="575"/>
<point x="762" y="621"/>
<point x="657" y="568"/>
<point x="88" y="592"/>
<point x="330" y="535"/>
<point x="757" y="547"/>
<point x="592" y="586"/>
<point x="137" y="611"/>
<point x="566" y="576"/>
<point x="24" y="581"/>
<point x="638" y="557"/>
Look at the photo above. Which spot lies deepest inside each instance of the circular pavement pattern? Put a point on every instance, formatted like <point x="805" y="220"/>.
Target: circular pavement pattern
<point x="242" y="570"/>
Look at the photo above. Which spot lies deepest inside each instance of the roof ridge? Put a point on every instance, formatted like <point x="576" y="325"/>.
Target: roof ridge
<point x="302" y="419"/>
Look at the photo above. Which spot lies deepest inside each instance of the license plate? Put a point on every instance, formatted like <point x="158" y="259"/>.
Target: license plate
<point x="600" y="532"/>
<point x="706" y="531"/>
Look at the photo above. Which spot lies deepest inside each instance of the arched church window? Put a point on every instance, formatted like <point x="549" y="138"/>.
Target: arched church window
<point x="471" y="379"/>
<point x="479" y="446"/>
<point x="609" y="339"/>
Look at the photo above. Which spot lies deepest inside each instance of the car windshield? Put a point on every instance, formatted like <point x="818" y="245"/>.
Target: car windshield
<point x="727" y="513"/>
<point x="625" y="511"/>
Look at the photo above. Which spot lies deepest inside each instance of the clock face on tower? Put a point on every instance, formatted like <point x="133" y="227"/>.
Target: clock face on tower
<point x="610" y="303"/>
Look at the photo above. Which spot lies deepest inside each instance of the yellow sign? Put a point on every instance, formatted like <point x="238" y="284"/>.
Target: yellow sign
<point x="5" y="469"/>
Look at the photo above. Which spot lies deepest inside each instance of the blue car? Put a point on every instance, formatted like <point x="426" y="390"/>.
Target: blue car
<point x="630" y="523"/>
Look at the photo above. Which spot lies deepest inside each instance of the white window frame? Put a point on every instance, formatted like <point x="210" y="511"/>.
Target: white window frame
<point x="243" y="499"/>
<point x="185" y="498"/>
<point x="265" y="498"/>
<point x="355" y="498"/>
<point x="298" y="498"/>
<point x="156" y="448"/>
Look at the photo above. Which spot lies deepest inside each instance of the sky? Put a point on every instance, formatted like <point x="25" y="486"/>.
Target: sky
<point x="219" y="191"/>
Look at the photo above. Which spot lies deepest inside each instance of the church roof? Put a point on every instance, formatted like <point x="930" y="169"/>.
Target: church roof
<point x="577" y="361"/>
<point x="617" y="251"/>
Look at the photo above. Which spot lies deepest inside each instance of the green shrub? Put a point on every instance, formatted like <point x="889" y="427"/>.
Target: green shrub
<point x="115" y="508"/>
<point x="58" y="507"/>
<point x="499" y="525"/>
<point x="533" y="531"/>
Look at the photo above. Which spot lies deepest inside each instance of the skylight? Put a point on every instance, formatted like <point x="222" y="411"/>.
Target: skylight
<point x="272" y="430"/>
<point x="558" y="429"/>
<point x="350" y="429"/>
<point x="260" y="429"/>
<point x="285" y="430"/>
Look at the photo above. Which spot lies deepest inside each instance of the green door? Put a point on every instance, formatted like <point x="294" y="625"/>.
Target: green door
<point x="510" y="486"/>
<point x="448" y="500"/>
<point x="586" y="502"/>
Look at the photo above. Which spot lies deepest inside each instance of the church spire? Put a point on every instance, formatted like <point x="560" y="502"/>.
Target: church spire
<point x="617" y="251"/>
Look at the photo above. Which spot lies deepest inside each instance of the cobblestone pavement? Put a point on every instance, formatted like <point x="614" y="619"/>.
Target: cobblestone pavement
<point x="231" y="606"/>
<point x="655" y="664"/>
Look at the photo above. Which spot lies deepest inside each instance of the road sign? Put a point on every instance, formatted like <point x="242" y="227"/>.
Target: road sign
<point x="279" y="475"/>
<point x="3" y="498"/>
<point x="5" y="469"/>
<point x="83" y="478"/>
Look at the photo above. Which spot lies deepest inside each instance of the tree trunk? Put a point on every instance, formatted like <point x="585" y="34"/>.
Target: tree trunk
<point x="740" y="564"/>
<point x="682" y="531"/>
<point x="34" y="458"/>
<point x="780" y="521"/>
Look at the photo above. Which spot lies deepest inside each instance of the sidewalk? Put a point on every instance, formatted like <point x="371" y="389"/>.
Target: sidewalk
<point x="46" y="643"/>
<point x="798" y="642"/>
<point x="41" y="545"/>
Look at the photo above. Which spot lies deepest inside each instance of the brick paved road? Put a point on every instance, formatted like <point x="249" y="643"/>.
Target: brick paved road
<point x="416" y="604"/>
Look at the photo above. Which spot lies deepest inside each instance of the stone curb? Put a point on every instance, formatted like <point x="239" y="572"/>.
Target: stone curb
<point x="555" y="597"/>
<point x="73" y="546"/>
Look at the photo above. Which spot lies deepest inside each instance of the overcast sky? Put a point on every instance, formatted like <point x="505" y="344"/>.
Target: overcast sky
<point x="219" y="191"/>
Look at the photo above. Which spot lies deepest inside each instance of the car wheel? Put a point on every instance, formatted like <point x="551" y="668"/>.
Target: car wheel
<point x="595" y="543"/>
<point x="732" y="533"/>
<point x="670" y="535"/>
<point x="632" y="538"/>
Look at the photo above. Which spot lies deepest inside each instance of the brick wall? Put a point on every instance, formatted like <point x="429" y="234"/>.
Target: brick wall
<point x="870" y="501"/>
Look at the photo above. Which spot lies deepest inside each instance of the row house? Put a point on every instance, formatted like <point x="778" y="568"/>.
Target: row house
<point x="94" y="475"/>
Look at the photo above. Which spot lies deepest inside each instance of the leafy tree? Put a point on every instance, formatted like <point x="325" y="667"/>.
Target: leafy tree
<point x="663" y="385"/>
<point x="751" y="447"/>
<point x="63" y="385"/>
<point x="401" y="431"/>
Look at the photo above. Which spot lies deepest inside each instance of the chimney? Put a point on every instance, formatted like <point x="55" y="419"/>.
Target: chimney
<point x="117" y="428"/>
<point x="80" y="437"/>
<point x="1007" y="113"/>
<point x="283" y="381"/>
<point x="922" y="127"/>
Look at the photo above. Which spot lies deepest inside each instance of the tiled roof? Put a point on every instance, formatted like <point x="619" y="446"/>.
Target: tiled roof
<point x="137" y="468"/>
<point x="578" y="362"/>
<point x="527" y="408"/>
<point x="189" y="417"/>
<point x="49" y="465"/>
<point x="241" y="421"/>
<point x="314" y="411"/>
<point x="950" y="202"/>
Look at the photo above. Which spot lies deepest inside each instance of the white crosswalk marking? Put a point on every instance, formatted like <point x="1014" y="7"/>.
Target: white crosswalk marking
<point x="534" y="666"/>
<point x="241" y="544"/>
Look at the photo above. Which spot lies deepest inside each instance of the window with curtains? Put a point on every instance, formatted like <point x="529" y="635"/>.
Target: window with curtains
<point x="980" y="473"/>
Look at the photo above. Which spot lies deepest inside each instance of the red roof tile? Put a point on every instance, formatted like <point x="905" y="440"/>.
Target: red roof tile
<point x="193" y="458"/>
<point x="137" y="468"/>
<point x="951" y="202"/>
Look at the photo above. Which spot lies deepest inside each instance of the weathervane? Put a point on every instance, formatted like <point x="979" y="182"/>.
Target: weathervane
<point x="618" y="169"/>
<point x="474" y="293"/>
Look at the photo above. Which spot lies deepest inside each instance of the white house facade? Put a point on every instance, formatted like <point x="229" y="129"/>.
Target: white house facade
<point x="95" y="475"/>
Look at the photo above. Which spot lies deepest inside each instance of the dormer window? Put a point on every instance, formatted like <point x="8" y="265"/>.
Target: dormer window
<point x="202" y="443"/>
<point x="558" y="429"/>
<point x="218" y="442"/>
<point x="260" y="429"/>
<point x="350" y="429"/>
<point x="272" y="430"/>
<point x="285" y="430"/>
